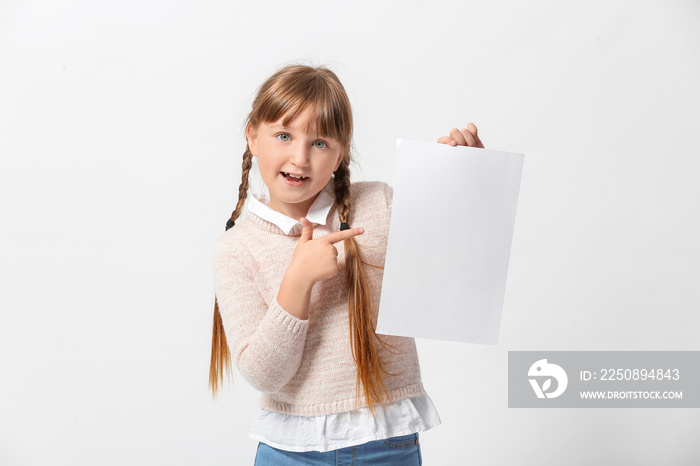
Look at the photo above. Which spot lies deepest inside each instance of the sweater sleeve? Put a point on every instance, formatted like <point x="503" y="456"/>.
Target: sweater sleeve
<point x="266" y="342"/>
<point x="389" y="194"/>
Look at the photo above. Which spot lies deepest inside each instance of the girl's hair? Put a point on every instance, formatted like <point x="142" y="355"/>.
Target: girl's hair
<point x="288" y="93"/>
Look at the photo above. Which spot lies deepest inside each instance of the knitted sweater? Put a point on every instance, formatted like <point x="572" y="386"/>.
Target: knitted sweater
<point x="305" y="367"/>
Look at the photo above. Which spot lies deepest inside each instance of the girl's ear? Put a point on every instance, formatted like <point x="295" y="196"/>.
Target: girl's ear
<point x="340" y="161"/>
<point x="251" y="134"/>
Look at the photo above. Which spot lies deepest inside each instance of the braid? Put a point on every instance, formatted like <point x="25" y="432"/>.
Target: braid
<point x="243" y="188"/>
<point x="220" y="356"/>
<point x="364" y="340"/>
<point x="341" y="182"/>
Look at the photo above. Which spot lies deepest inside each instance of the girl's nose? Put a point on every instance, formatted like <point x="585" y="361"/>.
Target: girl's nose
<point x="300" y="156"/>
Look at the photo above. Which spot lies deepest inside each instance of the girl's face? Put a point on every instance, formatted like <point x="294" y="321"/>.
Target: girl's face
<point x="294" y="163"/>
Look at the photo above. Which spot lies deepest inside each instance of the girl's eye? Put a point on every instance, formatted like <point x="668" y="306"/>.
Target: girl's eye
<point x="284" y="137"/>
<point x="320" y="144"/>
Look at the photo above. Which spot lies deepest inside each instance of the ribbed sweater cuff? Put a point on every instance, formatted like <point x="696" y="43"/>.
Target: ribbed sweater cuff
<point x="287" y="321"/>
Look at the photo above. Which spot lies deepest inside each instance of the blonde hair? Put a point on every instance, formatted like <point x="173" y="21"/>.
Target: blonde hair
<point x="287" y="94"/>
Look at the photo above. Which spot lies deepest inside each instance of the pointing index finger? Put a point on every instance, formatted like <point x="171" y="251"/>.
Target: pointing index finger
<point x="342" y="235"/>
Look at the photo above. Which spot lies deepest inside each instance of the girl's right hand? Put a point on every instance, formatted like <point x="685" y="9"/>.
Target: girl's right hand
<point x="317" y="259"/>
<point x="313" y="260"/>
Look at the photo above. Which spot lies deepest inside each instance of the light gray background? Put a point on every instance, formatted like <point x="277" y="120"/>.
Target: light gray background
<point x="121" y="138"/>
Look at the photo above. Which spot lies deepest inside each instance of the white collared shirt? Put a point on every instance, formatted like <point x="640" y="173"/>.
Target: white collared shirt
<point x="318" y="212"/>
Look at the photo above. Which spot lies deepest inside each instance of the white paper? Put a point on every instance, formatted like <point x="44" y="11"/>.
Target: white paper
<point x="451" y="230"/>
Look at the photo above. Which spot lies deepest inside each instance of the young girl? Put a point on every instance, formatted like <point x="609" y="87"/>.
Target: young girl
<point x="298" y="284"/>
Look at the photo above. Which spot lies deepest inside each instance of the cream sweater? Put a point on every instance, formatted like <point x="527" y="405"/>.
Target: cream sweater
<point x="305" y="367"/>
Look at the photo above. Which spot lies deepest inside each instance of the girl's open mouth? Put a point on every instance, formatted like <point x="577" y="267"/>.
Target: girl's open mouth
<point x="294" y="180"/>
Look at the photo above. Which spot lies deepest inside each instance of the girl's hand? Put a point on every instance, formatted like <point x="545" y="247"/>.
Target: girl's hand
<point x="317" y="259"/>
<point x="465" y="137"/>
<point x="313" y="260"/>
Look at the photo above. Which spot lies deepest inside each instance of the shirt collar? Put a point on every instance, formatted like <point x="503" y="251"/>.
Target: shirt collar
<point x="318" y="212"/>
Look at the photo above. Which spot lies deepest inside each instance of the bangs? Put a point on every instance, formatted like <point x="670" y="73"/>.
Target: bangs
<point x="294" y="94"/>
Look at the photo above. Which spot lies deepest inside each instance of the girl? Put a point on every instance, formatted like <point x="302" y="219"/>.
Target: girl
<point x="298" y="284"/>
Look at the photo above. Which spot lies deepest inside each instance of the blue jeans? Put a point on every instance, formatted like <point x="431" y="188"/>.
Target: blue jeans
<point x="394" y="451"/>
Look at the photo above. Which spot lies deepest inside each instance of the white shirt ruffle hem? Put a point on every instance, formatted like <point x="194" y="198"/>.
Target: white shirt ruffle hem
<point x="334" y="431"/>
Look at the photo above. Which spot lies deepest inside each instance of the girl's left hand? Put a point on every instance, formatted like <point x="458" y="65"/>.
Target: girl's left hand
<point x="464" y="137"/>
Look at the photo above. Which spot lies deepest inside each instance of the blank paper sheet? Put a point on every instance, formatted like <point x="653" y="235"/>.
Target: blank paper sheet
<point x="449" y="243"/>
